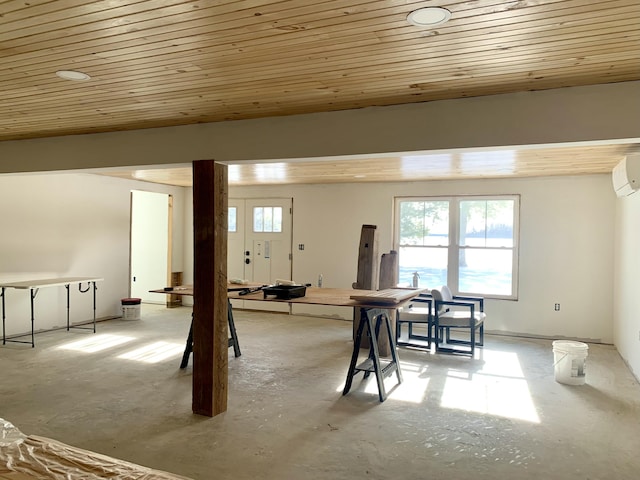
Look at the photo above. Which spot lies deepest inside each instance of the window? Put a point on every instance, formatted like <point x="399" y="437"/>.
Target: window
<point x="468" y="243"/>
<point x="267" y="219"/>
<point x="233" y="219"/>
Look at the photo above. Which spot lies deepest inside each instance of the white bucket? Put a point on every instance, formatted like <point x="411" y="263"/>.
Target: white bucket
<point x="131" y="308"/>
<point x="570" y="360"/>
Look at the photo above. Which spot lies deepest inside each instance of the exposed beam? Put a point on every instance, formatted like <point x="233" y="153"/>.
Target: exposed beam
<point x="598" y="113"/>
<point x="210" y="337"/>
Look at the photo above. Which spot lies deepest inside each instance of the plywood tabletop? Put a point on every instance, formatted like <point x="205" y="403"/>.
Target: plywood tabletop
<point x="338" y="297"/>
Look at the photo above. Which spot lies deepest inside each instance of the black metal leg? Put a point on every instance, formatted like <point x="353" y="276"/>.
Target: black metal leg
<point x="90" y="286"/>
<point x="68" y="297"/>
<point x="394" y="353"/>
<point x="373" y="362"/>
<point x="233" y="341"/>
<point x="382" y="394"/>
<point x="354" y="356"/>
<point x="188" y="347"/>
<point x="94" y="306"/>
<point x="4" y="337"/>
<point x="34" y="292"/>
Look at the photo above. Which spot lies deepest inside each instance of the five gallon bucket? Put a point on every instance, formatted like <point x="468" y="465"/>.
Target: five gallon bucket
<point x="131" y="308"/>
<point x="570" y="359"/>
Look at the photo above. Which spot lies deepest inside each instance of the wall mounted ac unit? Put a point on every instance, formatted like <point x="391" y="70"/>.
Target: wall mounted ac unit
<point x="626" y="175"/>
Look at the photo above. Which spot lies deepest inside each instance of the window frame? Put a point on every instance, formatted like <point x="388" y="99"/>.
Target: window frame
<point x="454" y="247"/>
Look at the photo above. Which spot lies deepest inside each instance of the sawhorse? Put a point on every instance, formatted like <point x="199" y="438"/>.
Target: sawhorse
<point x="233" y="339"/>
<point x="373" y="318"/>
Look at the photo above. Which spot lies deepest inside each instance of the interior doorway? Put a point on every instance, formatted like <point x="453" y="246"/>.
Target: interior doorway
<point x="150" y="258"/>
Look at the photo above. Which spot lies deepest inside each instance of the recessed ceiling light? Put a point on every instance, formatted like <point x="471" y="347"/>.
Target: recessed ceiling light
<point x="429" y="16"/>
<point x="73" y="75"/>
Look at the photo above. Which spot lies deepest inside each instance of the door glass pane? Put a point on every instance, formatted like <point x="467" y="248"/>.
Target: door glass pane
<point x="277" y="219"/>
<point x="258" y="219"/>
<point x="424" y="223"/>
<point x="267" y="219"/>
<point x="429" y="262"/>
<point x="233" y="215"/>
<point x="485" y="271"/>
<point x="486" y="223"/>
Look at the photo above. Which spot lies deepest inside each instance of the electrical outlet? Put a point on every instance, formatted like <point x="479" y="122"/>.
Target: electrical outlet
<point x="556" y="307"/>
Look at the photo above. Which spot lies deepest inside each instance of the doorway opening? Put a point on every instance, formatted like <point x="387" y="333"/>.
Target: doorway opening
<point x="150" y="255"/>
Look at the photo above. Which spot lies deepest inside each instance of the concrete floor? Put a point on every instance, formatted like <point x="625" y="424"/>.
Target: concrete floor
<point x="500" y="415"/>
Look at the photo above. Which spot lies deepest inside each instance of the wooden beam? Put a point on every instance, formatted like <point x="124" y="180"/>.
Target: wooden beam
<point x="210" y="337"/>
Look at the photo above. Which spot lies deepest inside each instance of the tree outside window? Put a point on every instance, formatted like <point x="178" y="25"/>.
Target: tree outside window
<point x="468" y="243"/>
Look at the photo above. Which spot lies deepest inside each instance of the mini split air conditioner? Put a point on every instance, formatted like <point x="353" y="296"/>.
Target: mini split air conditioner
<point x="626" y="175"/>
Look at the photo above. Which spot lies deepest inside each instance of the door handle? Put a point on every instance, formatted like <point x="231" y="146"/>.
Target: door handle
<point x="247" y="261"/>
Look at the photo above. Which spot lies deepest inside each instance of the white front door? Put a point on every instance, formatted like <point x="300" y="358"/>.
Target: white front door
<point x="265" y="255"/>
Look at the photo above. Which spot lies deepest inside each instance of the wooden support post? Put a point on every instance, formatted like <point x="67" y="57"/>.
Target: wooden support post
<point x="210" y="337"/>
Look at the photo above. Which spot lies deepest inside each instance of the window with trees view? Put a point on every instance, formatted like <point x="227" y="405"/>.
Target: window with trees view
<point x="467" y="243"/>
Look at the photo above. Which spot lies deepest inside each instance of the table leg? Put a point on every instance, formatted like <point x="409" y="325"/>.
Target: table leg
<point x="4" y="338"/>
<point x="188" y="347"/>
<point x="354" y="355"/>
<point x="34" y="292"/>
<point x="94" y="306"/>
<point x="394" y="353"/>
<point x="68" y="298"/>
<point x="373" y="363"/>
<point x="233" y="340"/>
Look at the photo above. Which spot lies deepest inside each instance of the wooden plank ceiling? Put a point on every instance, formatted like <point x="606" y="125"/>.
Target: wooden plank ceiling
<point x="529" y="162"/>
<point x="161" y="63"/>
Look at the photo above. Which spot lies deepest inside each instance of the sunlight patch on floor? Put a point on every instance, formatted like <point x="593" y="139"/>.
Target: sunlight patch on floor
<point x="154" y="352"/>
<point x="96" y="343"/>
<point x="498" y="388"/>
<point x="414" y="386"/>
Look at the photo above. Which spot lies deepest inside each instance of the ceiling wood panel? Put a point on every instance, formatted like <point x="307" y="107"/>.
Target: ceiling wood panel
<point x="499" y="163"/>
<point x="157" y="63"/>
<point x="160" y="63"/>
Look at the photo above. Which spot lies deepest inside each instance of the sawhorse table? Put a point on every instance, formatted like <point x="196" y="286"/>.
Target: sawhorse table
<point x="372" y="320"/>
<point x="187" y="291"/>
<point x="233" y="339"/>
<point x="34" y="287"/>
<point x="373" y="306"/>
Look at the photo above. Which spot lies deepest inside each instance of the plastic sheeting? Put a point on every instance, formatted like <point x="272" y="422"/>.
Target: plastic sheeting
<point x="29" y="457"/>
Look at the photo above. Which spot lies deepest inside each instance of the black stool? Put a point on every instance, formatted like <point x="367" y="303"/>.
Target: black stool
<point x="373" y="363"/>
<point x="233" y="340"/>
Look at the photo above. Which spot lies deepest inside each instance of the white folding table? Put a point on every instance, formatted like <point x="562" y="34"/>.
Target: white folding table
<point x="35" y="285"/>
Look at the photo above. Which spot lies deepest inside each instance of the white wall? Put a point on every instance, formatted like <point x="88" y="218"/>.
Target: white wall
<point x="626" y="285"/>
<point x="78" y="224"/>
<point x="65" y="225"/>
<point x="566" y="244"/>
